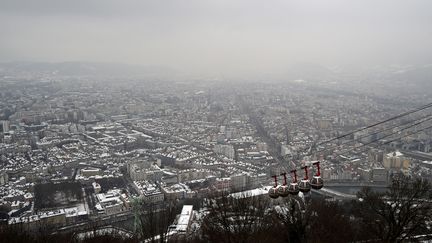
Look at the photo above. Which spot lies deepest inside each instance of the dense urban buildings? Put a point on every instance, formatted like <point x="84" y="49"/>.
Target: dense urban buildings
<point x="79" y="150"/>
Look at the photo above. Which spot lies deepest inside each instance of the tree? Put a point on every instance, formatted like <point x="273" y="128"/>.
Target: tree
<point x="329" y="222"/>
<point x="237" y="220"/>
<point x="152" y="220"/>
<point x="291" y="221"/>
<point x="398" y="214"/>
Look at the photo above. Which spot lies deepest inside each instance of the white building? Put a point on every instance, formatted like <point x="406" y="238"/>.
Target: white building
<point x="137" y="173"/>
<point x="96" y="187"/>
<point x="177" y="191"/>
<point x="239" y="182"/>
<point x="87" y="172"/>
<point x="5" y="126"/>
<point x="110" y="202"/>
<point x="224" y="149"/>
<point x="149" y="192"/>
<point x="183" y="225"/>
<point x="396" y="160"/>
<point x="3" y="178"/>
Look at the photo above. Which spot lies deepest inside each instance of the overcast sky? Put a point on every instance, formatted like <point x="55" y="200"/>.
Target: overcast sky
<point x="220" y="36"/>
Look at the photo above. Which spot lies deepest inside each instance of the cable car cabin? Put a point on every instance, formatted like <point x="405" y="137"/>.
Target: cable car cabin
<point x="293" y="188"/>
<point x="273" y="192"/>
<point x="283" y="190"/>
<point x="317" y="182"/>
<point x="304" y="185"/>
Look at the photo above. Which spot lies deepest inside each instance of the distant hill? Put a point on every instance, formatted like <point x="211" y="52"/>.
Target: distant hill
<point x="309" y="72"/>
<point x="419" y="76"/>
<point x="84" y="69"/>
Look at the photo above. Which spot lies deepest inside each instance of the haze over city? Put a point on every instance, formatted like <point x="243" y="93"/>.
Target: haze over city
<point x="215" y="121"/>
<point x="218" y="38"/>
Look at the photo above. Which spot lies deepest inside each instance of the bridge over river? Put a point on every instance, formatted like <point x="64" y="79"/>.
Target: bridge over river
<point x="347" y="190"/>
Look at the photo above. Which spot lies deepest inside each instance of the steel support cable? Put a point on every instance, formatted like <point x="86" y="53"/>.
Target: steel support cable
<point x="387" y="142"/>
<point x="378" y="123"/>
<point x="374" y="125"/>
<point x="427" y="118"/>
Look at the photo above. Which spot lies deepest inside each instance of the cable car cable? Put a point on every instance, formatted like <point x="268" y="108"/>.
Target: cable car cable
<point x="379" y="123"/>
<point x="370" y="126"/>
<point x="388" y="135"/>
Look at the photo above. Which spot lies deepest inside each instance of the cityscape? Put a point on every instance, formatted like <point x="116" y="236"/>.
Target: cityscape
<point x="75" y="151"/>
<point x="191" y="123"/>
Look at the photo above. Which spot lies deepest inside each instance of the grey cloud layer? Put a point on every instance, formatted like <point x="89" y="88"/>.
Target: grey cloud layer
<point x="217" y="37"/>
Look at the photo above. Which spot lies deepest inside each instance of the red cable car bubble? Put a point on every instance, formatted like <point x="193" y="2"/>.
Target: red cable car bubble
<point x="317" y="182"/>
<point x="273" y="192"/>
<point x="304" y="185"/>
<point x="283" y="190"/>
<point x="293" y="188"/>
